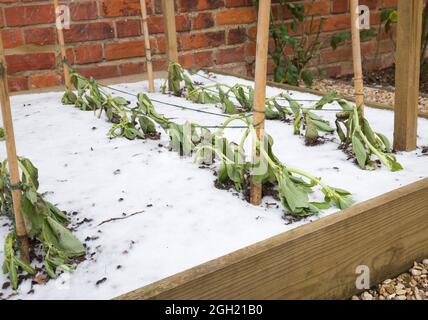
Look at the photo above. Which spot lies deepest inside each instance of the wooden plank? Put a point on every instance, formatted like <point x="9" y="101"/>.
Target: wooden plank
<point x="148" y="49"/>
<point x="61" y="42"/>
<point x="170" y="32"/>
<point x="407" y="71"/>
<point x="371" y="104"/>
<point x="317" y="260"/>
<point x="12" y="157"/>
<point x="356" y="57"/>
<point x="259" y="107"/>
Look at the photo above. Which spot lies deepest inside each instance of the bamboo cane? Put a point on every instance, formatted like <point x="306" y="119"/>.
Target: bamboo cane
<point x="356" y="53"/>
<point x="12" y="158"/>
<point x="147" y="46"/>
<point x="170" y="32"/>
<point x="259" y="107"/>
<point x="61" y="43"/>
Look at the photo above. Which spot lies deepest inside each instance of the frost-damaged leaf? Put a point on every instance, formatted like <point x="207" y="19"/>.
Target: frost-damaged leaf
<point x="359" y="151"/>
<point x="56" y="234"/>
<point x="385" y="141"/>
<point x="326" y="99"/>
<point x="292" y="195"/>
<point x="12" y="263"/>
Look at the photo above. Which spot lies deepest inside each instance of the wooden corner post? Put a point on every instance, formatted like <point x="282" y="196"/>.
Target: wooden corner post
<point x="61" y="42"/>
<point x="259" y="107"/>
<point x="12" y="159"/>
<point x="407" y="72"/>
<point x="148" y="49"/>
<point x="170" y="32"/>
<point x="356" y="54"/>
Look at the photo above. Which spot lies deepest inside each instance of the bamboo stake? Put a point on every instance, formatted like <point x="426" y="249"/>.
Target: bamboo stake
<point x="259" y="107"/>
<point x="12" y="158"/>
<point x="147" y="46"/>
<point x="170" y="32"/>
<point x="356" y="53"/>
<point x="61" y="43"/>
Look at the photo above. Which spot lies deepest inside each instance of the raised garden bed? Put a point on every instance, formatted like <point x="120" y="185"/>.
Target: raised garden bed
<point x="100" y="179"/>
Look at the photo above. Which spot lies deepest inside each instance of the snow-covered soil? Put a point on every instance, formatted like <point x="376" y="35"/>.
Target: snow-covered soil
<point x="182" y="220"/>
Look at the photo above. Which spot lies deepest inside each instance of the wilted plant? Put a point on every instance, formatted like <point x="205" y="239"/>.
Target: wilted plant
<point x="44" y="223"/>
<point x="191" y="138"/>
<point x="356" y="137"/>
<point x="293" y="186"/>
<point x="127" y="122"/>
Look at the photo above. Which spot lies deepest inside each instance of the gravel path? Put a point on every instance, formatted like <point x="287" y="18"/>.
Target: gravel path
<point x="412" y="285"/>
<point x="373" y="94"/>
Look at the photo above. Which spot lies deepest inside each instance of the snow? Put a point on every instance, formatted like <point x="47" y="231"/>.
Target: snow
<point x="185" y="220"/>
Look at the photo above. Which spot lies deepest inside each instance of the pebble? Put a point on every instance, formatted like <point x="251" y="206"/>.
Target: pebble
<point x="401" y="292"/>
<point x="367" y="296"/>
<point x="371" y="94"/>
<point x="411" y="285"/>
<point x="416" y="272"/>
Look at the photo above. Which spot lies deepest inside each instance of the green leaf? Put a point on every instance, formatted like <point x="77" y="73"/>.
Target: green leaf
<point x="359" y="151"/>
<point x="311" y="134"/>
<point x="368" y="132"/>
<point x="30" y="174"/>
<point x="307" y="77"/>
<point x="323" y="125"/>
<point x="385" y="141"/>
<point x="294" y="197"/>
<point x="326" y="99"/>
<point x="61" y="238"/>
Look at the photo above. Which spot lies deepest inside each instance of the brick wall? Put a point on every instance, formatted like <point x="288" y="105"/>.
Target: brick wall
<point x="105" y="37"/>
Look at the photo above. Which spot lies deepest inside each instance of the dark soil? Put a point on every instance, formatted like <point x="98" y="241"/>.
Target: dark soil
<point x="386" y="78"/>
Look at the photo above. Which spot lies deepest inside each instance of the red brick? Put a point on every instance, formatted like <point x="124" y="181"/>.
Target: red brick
<point x="236" y="16"/>
<point x="203" y="59"/>
<point x="336" y="23"/>
<point x="99" y="72"/>
<point x="190" y="5"/>
<point x="130" y="68"/>
<point x="89" y="32"/>
<point x="12" y="38"/>
<point x="120" y="8"/>
<point x="235" y="36"/>
<point x="28" y="15"/>
<point x="128" y="28"/>
<point x="159" y="64"/>
<point x="372" y="4"/>
<point x="340" y="54"/>
<point x="186" y="60"/>
<point x="339" y="6"/>
<point x="320" y="7"/>
<point x="50" y="79"/>
<point x="88" y="53"/>
<point x="17" y="83"/>
<point x="201" y="40"/>
<point x="122" y="50"/>
<point x="156" y="24"/>
<point x="230" y="55"/>
<point x="84" y="10"/>
<point x="30" y="61"/>
<point x="40" y="36"/>
<point x="203" y="21"/>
